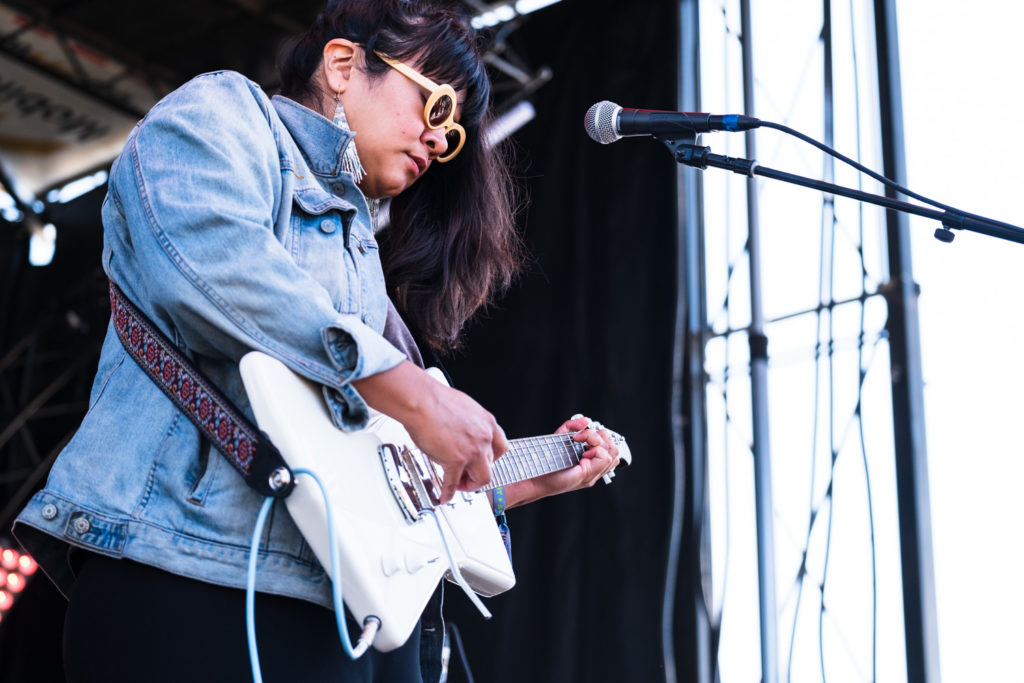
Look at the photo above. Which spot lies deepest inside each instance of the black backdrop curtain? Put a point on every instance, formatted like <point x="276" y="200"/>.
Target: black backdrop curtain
<point x="590" y="330"/>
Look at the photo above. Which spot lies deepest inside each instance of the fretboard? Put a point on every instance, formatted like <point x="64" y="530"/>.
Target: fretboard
<point x="533" y="457"/>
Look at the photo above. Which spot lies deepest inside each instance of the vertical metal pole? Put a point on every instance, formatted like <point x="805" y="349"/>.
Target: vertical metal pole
<point x="919" y="613"/>
<point x="689" y="403"/>
<point x="826" y="40"/>
<point x="759" y="390"/>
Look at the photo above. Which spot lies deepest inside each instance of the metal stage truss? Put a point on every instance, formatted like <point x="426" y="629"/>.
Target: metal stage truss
<point x="798" y="355"/>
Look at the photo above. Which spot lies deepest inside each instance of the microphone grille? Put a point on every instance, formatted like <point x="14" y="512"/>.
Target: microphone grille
<point x="600" y="122"/>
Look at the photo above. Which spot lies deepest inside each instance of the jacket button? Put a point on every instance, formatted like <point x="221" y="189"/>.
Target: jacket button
<point x="49" y="511"/>
<point x="327" y="226"/>
<point x="80" y="525"/>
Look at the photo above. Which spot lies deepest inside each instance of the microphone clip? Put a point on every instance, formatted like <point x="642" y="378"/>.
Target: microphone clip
<point x="685" y="149"/>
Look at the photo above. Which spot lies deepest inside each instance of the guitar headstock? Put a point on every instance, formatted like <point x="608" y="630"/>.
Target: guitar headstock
<point x="625" y="455"/>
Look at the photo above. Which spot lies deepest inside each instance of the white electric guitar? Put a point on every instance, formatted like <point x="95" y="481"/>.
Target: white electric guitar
<point x="392" y="555"/>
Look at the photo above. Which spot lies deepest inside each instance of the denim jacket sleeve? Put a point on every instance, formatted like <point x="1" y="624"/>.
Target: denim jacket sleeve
<point x="193" y="235"/>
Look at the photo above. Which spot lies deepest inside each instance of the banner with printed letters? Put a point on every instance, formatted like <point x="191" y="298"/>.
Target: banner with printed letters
<point x="50" y="132"/>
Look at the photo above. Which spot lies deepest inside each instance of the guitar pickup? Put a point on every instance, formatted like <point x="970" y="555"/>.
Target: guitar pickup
<point x="401" y="486"/>
<point x="414" y="484"/>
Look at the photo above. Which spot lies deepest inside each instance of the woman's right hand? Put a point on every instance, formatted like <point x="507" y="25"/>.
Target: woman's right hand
<point x="453" y="430"/>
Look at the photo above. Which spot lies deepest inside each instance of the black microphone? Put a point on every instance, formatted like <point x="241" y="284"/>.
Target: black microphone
<point x="607" y="122"/>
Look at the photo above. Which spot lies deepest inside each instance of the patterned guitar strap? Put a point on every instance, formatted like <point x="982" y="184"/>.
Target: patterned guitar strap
<point x="249" y="450"/>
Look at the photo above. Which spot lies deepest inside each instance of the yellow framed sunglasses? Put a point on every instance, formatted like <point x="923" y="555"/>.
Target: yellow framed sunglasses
<point x="439" y="110"/>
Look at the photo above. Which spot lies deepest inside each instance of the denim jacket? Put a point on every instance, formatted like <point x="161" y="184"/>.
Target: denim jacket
<point x="229" y="222"/>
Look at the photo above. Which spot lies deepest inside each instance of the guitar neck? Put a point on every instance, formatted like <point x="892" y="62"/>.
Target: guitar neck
<point x="533" y="457"/>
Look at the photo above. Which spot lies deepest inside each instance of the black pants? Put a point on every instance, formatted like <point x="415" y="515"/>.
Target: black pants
<point x="132" y="622"/>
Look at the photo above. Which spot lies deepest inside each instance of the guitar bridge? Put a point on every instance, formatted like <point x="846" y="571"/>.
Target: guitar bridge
<point x="413" y="481"/>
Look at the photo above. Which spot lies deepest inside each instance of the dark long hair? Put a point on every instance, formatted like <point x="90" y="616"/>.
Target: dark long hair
<point x="451" y="245"/>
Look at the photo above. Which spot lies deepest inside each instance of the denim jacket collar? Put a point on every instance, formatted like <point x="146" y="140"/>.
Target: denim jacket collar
<point x="320" y="140"/>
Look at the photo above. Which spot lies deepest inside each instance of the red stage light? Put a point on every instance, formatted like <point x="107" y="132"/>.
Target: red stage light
<point x="6" y="600"/>
<point x="9" y="559"/>
<point x="26" y="565"/>
<point x="15" y="582"/>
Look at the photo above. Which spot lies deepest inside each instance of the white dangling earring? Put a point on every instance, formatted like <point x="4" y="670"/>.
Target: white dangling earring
<point x="350" y="159"/>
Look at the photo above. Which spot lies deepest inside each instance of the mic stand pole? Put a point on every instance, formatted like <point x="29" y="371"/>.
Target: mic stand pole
<point x="685" y="151"/>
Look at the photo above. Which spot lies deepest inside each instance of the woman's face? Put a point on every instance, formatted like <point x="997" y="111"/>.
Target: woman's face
<point x="395" y="144"/>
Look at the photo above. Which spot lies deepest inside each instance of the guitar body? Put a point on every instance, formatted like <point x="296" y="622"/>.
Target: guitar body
<point x="391" y="559"/>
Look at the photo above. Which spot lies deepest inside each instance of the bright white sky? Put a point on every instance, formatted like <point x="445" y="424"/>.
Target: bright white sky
<point x="963" y="143"/>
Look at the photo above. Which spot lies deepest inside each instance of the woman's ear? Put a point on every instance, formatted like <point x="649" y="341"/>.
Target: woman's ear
<point x="339" y="60"/>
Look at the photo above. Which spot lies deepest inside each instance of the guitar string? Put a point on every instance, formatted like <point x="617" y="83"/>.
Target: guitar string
<point x="534" y="456"/>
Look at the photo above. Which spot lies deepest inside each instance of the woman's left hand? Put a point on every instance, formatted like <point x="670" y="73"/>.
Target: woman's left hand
<point x="600" y="457"/>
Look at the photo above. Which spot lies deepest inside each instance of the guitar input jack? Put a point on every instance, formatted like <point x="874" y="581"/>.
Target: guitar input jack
<point x="370" y="626"/>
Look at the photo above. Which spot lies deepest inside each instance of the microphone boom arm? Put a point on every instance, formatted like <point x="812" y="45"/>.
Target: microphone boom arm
<point x="686" y="151"/>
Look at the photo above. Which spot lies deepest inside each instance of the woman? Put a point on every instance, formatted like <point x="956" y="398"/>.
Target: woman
<point x="236" y="222"/>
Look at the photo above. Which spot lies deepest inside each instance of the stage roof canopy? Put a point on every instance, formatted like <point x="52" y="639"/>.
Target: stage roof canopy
<point x="75" y="75"/>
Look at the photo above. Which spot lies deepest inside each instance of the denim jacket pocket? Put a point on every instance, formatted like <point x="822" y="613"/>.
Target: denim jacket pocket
<point x="320" y="225"/>
<point x="197" y="478"/>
